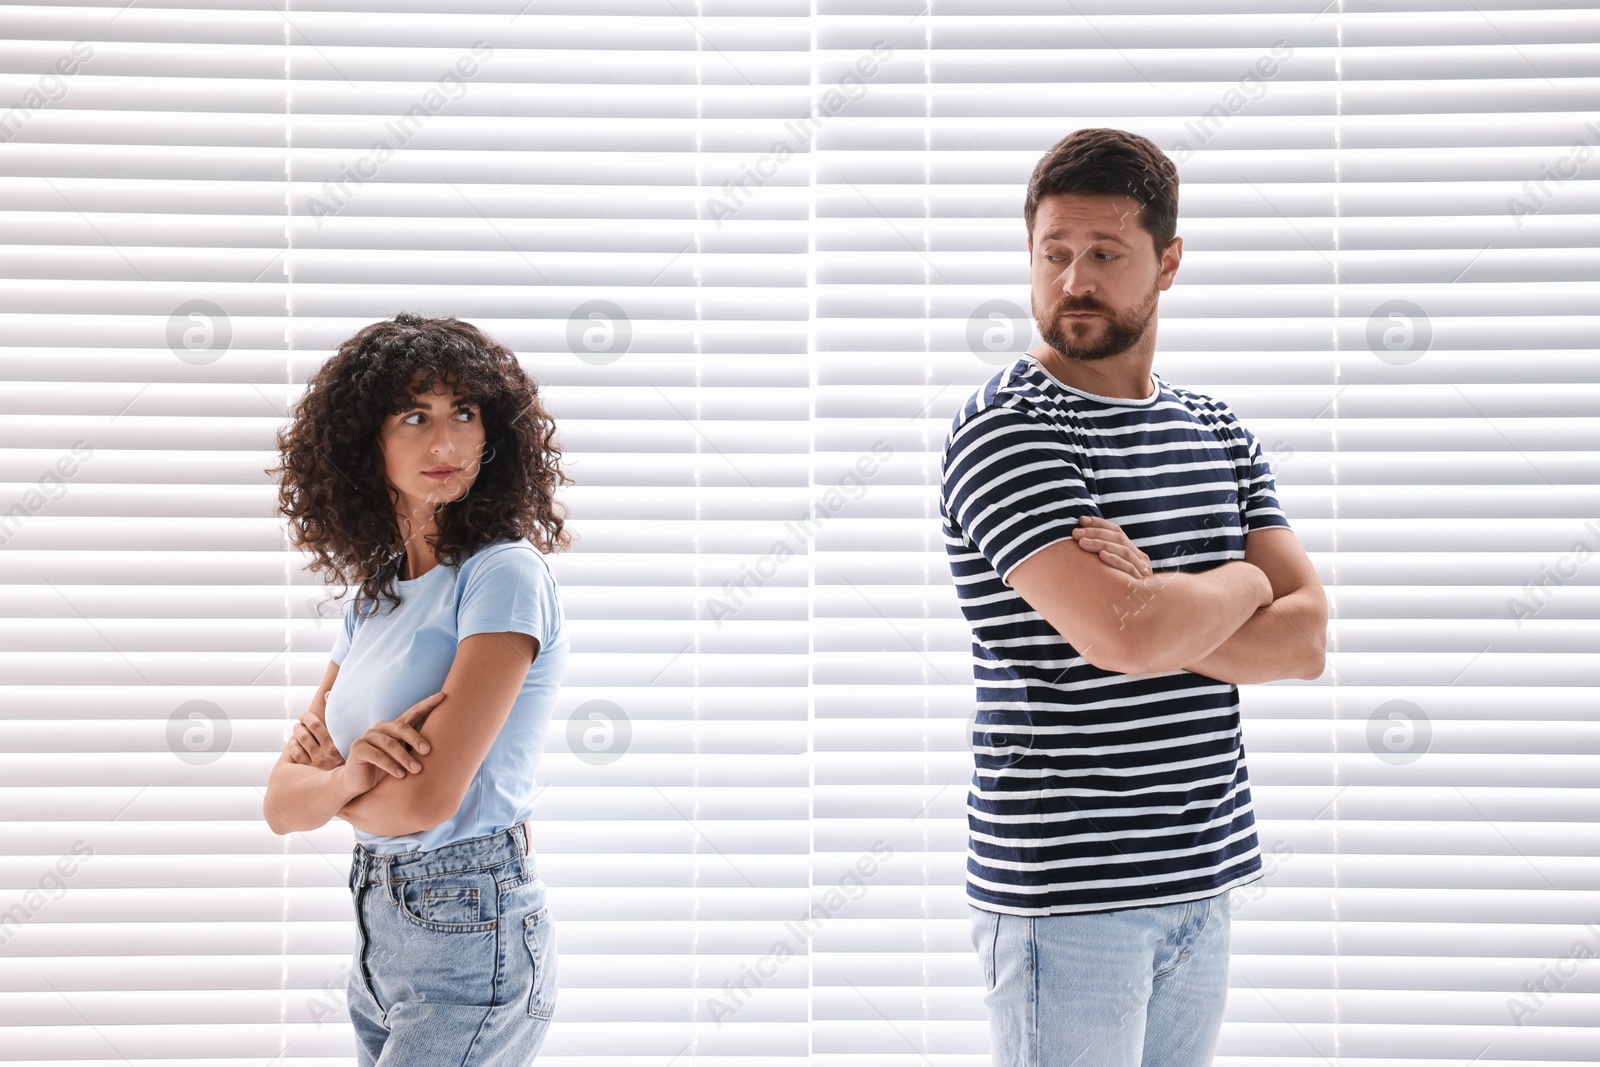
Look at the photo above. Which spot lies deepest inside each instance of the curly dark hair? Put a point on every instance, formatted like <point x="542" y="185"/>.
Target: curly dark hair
<point x="334" y="490"/>
<point x="1104" y="162"/>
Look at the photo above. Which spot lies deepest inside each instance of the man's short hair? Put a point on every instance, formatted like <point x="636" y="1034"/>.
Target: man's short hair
<point x="1105" y="162"/>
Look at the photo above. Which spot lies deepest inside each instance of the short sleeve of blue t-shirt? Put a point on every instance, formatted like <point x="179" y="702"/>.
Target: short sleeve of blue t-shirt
<point x="341" y="641"/>
<point x="504" y="589"/>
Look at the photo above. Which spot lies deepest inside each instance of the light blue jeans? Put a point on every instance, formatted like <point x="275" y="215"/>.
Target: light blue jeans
<point x="1136" y="987"/>
<point x="455" y="958"/>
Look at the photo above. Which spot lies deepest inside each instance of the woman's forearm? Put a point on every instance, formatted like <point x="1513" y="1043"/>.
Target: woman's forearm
<point x="301" y="797"/>
<point x="380" y="811"/>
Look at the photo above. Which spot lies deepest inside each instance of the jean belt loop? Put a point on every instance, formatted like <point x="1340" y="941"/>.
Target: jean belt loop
<point x="388" y="875"/>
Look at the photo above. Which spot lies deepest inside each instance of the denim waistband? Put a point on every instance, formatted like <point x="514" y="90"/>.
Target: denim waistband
<point x="474" y="853"/>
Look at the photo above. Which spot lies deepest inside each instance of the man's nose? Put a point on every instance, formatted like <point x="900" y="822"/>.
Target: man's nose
<point x="1075" y="280"/>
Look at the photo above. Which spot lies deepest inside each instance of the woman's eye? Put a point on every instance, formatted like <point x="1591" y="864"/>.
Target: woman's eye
<point x="417" y="415"/>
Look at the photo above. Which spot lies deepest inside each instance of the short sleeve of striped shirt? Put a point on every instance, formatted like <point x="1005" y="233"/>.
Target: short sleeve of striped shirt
<point x="1013" y="484"/>
<point x="1257" y="489"/>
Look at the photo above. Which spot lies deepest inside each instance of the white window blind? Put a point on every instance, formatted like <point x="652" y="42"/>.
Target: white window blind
<point x="758" y="255"/>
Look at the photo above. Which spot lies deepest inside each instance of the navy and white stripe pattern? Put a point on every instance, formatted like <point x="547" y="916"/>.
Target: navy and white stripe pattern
<point x="1095" y="790"/>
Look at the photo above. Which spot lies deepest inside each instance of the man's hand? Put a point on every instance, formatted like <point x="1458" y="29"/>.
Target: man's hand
<point x="310" y="744"/>
<point x="1105" y="539"/>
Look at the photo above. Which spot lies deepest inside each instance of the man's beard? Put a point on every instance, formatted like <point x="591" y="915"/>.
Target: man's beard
<point x="1119" y="331"/>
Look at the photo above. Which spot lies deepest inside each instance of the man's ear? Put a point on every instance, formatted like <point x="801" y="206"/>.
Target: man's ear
<point x="1175" y="249"/>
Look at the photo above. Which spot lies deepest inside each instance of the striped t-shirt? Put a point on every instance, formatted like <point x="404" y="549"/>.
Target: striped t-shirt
<point x="1096" y="790"/>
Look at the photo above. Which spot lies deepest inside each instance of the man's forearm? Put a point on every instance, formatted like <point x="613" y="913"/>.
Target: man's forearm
<point x="1175" y="618"/>
<point x="1285" y="639"/>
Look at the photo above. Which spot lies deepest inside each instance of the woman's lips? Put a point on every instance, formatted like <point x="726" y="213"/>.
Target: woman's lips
<point x="442" y="475"/>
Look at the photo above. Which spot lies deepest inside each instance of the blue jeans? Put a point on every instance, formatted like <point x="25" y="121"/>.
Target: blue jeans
<point x="455" y="958"/>
<point x="1136" y="987"/>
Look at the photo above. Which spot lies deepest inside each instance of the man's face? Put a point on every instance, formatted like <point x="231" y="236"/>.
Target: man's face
<point x="1095" y="275"/>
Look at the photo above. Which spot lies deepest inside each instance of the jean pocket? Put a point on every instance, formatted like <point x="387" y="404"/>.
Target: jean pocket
<point x="538" y="933"/>
<point x="447" y="904"/>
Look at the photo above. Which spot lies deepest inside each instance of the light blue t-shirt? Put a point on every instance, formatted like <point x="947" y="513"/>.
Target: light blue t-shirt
<point x="392" y="658"/>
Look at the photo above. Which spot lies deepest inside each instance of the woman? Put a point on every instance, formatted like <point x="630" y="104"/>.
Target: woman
<point x="422" y="468"/>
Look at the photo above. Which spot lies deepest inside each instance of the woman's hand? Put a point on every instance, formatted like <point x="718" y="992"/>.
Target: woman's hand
<point x="1106" y="539"/>
<point x="390" y="747"/>
<point x="310" y="744"/>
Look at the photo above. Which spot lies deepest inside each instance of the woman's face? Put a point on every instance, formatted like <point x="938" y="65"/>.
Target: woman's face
<point x="439" y="432"/>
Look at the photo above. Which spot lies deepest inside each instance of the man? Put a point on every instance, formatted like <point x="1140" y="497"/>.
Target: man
<point x="1119" y="553"/>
